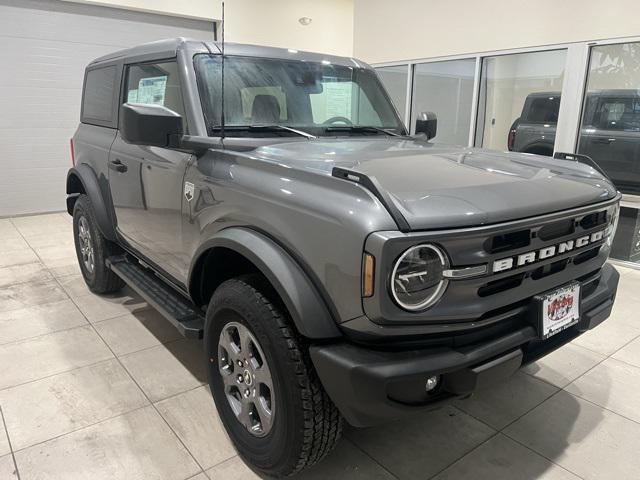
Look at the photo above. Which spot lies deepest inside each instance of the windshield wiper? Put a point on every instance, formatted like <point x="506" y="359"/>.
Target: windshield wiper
<point x="360" y="129"/>
<point x="264" y="128"/>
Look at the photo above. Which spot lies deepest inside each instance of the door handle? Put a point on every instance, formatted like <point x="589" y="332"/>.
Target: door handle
<point x="117" y="165"/>
<point x="605" y="141"/>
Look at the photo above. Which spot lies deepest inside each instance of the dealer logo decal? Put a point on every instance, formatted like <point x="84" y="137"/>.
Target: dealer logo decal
<point x="560" y="308"/>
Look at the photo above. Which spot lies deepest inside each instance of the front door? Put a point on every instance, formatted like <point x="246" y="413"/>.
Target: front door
<point x="147" y="182"/>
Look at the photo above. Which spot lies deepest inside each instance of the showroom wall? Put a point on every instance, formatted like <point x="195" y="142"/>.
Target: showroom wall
<point x="273" y="22"/>
<point x="385" y="31"/>
<point x="48" y="43"/>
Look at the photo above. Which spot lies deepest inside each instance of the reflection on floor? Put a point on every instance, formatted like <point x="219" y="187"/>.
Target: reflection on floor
<point x="103" y="388"/>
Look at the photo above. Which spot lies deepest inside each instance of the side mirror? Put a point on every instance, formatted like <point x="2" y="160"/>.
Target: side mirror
<point x="152" y="125"/>
<point x="427" y="123"/>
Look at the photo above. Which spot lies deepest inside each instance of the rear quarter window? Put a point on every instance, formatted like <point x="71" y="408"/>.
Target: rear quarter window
<point x="98" y="99"/>
<point x="542" y="109"/>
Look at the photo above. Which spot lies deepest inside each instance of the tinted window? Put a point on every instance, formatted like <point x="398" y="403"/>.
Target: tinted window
<point x="543" y="110"/>
<point x="619" y="114"/>
<point x="156" y="84"/>
<point x="99" y="89"/>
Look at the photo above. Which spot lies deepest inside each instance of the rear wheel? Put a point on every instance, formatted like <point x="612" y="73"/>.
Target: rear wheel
<point x="93" y="249"/>
<point x="265" y="388"/>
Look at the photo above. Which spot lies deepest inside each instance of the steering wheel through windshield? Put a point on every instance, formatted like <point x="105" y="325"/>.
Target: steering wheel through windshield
<point x="334" y="120"/>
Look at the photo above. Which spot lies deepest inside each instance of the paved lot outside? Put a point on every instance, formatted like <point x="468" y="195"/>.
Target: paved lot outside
<point x="104" y="388"/>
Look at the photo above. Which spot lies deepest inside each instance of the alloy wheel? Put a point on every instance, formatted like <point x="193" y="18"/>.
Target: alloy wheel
<point x="248" y="383"/>
<point x="86" y="245"/>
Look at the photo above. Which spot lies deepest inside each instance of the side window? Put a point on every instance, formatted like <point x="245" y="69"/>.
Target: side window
<point x="155" y="83"/>
<point x="99" y="89"/>
<point x="610" y="111"/>
<point x="619" y="114"/>
<point x="543" y="110"/>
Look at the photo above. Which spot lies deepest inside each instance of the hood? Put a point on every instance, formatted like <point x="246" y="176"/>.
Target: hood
<point x="436" y="186"/>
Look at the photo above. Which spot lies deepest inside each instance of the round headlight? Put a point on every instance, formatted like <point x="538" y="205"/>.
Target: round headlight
<point x="417" y="281"/>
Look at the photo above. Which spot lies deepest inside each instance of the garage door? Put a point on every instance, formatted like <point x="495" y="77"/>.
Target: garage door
<point x="44" y="47"/>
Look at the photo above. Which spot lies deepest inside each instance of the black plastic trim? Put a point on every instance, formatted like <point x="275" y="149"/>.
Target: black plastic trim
<point x="89" y="182"/>
<point x="586" y="159"/>
<point x="371" y="184"/>
<point x="370" y="385"/>
<point x="304" y="303"/>
<point x="185" y="316"/>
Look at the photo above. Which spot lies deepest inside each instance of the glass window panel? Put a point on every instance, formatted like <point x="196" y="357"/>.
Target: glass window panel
<point x="519" y="101"/>
<point x="446" y="89"/>
<point x="98" y="94"/>
<point x="626" y="244"/>
<point x="394" y="80"/>
<point x="155" y="83"/>
<point x="610" y="129"/>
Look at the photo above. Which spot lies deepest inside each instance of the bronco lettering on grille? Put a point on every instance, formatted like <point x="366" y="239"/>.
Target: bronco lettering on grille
<point x="546" y="252"/>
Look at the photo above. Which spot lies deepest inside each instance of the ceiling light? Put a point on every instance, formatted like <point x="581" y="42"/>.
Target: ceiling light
<point x="304" y="21"/>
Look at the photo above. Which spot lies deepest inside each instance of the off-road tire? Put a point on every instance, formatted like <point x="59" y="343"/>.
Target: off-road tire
<point x="306" y="424"/>
<point x="101" y="279"/>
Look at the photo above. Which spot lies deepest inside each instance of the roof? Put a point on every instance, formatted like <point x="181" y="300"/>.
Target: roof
<point x="613" y="92"/>
<point x="170" y="47"/>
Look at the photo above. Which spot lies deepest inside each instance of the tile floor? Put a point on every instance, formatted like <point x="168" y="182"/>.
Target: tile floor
<point x="104" y="388"/>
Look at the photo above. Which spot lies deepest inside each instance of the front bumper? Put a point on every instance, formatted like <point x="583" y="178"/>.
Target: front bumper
<point x="372" y="386"/>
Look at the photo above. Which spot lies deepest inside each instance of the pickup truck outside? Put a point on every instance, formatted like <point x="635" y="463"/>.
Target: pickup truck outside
<point x="334" y="266"/>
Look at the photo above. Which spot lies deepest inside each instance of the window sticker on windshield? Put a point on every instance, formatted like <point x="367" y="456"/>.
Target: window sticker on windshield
<point x="338" y="98"/>
<point x="152" y="90"/>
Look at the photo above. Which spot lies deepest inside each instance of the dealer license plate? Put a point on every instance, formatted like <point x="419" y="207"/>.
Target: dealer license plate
<point x="560" y="309"/>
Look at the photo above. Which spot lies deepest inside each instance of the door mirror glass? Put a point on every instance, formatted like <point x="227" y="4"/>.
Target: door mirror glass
<point x="427" y="123"/>
<point x="152" y="125"/>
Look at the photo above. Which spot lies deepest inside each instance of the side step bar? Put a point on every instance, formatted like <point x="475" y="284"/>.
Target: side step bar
<point x="183" y="314"/>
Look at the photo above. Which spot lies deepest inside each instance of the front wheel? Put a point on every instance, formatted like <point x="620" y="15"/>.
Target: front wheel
<point x="266" y="391"/>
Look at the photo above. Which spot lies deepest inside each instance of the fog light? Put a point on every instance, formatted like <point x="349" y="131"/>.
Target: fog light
<point x="432" y="382"/>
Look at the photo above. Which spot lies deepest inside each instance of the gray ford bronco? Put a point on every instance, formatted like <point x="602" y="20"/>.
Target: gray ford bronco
<point x="334" y="266"/>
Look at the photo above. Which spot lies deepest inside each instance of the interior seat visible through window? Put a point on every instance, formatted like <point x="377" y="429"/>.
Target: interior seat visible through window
<point x="265" y="109"/>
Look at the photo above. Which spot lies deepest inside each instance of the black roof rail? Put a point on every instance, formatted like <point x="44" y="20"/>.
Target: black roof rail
<point x="371" y="184"/>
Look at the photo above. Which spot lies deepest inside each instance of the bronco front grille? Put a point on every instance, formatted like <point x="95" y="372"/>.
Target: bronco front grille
<point x="467" y="299"/>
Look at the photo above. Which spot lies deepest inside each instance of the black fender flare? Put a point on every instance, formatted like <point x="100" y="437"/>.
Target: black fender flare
<point x="89" y="181"/>
<point x="305" y="304"/>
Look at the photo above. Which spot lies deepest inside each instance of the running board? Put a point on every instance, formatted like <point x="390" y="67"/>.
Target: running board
<point x="183" y="314"/>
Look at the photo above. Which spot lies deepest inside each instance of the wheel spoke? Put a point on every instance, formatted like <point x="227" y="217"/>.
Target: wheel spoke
<point x="264" y="412"/>
<point x="245" y="415"/>
<point x="247" y="378"/>
<point x="263" y="376"/>
<point x="245" y="342"/>
<point x="229" y="379"/>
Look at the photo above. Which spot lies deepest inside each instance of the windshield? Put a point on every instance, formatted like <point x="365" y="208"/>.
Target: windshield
<point x="314" y="98"/>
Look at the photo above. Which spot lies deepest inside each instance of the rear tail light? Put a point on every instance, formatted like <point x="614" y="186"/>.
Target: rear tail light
<point x="73" y="152"/>
<point x="511" y="140"/>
